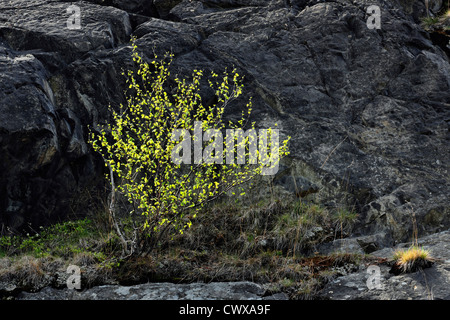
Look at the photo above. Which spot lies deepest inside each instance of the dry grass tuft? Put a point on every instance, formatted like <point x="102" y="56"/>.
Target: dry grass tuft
<point x="411" y="260"/>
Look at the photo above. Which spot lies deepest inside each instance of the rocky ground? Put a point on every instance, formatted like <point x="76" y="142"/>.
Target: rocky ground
<point x="160" y="291"/>
<point x="429" y="284"/>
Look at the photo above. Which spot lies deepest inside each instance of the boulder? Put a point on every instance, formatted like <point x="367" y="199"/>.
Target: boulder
<point x="46" y="25"/>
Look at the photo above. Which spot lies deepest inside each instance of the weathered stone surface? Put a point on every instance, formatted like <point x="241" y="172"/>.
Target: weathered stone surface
<point x="158" y="291"/>
<point x="361" y="245"/>
<point x="42" y="25"/>
<point x="352" y="97"/>
<point x="45" y="160"/>
<point x="428" y="284"/>
<point x="29" y="139"/>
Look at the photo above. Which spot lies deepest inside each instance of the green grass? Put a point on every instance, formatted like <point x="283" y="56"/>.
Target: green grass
<point x="65" y="240"/>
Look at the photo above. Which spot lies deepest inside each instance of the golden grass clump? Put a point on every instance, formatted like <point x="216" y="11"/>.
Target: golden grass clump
<point x="411" y="260"/>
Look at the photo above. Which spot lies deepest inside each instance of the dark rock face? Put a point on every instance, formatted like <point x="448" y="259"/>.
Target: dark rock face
<point x="45" y="161"/>
<point x="367" y="109"/>
<point x="29" y="138"/>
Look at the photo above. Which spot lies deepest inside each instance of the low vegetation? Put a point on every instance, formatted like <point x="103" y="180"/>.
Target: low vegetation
<point x="271" y="242"/>
<point x="440" y="20"/>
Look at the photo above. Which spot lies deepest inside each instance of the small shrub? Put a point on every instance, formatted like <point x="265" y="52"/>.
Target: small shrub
<point x="163" y="196"/>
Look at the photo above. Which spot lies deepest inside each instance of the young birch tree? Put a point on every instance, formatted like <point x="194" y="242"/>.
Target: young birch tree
<point x="140" y="145"/>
